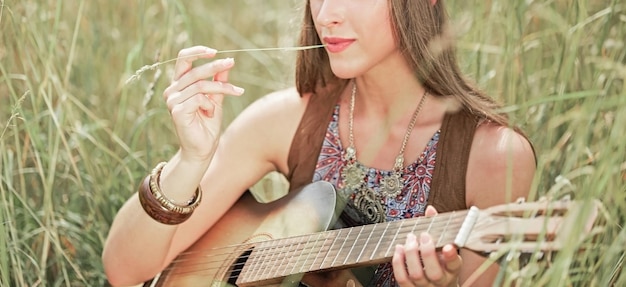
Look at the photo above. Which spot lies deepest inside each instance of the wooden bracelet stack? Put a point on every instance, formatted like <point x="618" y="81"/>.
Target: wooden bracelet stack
<point x="161" y="208"/>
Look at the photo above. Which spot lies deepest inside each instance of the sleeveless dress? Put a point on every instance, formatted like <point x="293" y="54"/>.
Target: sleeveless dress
<point x="411" y="202"/>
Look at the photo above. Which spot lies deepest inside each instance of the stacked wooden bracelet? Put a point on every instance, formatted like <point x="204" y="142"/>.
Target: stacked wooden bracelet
<point x="161" y="208"/>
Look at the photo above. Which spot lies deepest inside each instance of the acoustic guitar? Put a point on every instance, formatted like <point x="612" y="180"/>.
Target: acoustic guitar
<point x="257" y="244"/>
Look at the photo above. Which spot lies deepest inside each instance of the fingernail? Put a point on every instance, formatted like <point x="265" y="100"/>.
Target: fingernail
<point x="210" y="51"/>
<point x="228" y="62"/>
<point x="399" y="248"/>
<point x="424" y="238"/>
<point x="410" y="237"/>
<point x="239" y="90"/>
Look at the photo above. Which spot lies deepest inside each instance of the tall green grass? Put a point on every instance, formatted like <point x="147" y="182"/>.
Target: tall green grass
<point x="75" y="139"/>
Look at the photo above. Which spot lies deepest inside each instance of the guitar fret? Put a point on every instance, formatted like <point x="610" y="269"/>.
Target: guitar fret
<point x="372" y="227"/>
<point x="441" y="230"/>
<point x="434" y="233"/>
<point x="444" y="231"/>
<point x="254" y="262"/>
<point x="354" y="242"/>
<point x="324" y="249"/>
<point x="380" y="238"/>
<point x="415" y="224"/>
<point x="283" y="254"/>
<point x="253" y="267"/>
<point x="314" y="249"/>
<point x="297" y="248"/>
<point x="330" y="250"/>
<point x="279" y="254"/>
<point x="287" y="257"/>
<point x="274" y="251"/>
<point x="301" y="248"/>
<point x="300" y="264"/>
<point x="250" y="263"/>
<point x="394" y="238"/>
<point x="341" y="247"/>
<point x="269" y="253"/>
<point x="431" y="224"/>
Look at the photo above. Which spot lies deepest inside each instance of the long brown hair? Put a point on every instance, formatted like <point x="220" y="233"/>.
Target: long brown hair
<point x="421" y="32"/>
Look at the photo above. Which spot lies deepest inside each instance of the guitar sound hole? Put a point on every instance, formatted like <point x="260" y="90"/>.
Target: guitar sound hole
<point x="238" y="266"/>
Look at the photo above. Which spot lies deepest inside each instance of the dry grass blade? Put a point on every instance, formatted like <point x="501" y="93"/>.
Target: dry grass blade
<point x="146" y="68"/>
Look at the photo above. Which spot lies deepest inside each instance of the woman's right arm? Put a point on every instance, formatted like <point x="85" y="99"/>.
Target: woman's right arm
<point x="137" y="246"/>
<point x="254" y="144"/>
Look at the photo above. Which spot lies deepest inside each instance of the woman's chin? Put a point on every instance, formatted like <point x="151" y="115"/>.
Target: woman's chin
<point x="344" y="77"/>
<point x="344" y="73"/>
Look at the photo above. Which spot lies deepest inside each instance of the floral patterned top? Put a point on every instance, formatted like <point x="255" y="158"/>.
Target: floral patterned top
<point x="411" y="202"/>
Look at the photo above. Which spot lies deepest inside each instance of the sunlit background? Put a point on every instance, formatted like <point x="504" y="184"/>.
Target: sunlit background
<point x="75" y="138"/>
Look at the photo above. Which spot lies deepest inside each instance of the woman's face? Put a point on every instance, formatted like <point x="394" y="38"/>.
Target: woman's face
<point x="358" y="35"/>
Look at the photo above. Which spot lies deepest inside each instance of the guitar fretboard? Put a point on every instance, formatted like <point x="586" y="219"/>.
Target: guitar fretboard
<point x="344" y="248"/>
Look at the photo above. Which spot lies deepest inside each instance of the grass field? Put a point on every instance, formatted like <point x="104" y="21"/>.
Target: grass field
<point x="75" y="138"/>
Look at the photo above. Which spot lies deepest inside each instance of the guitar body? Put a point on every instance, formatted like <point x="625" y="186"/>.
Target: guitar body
<point x="214" y="260"/>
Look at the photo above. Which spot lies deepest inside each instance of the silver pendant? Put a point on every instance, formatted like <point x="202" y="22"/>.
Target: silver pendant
<point x="353" y="178"/>
<point x="391" y="185"/>
<point x="351" y="175"/>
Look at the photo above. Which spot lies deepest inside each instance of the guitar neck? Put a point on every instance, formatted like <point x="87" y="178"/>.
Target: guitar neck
<point x="344" y="248"/>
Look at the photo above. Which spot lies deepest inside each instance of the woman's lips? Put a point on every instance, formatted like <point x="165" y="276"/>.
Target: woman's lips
<point x="336" y="45"/>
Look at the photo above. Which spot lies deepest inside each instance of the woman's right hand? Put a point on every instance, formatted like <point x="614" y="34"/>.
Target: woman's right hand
<point x="194" y="99"/>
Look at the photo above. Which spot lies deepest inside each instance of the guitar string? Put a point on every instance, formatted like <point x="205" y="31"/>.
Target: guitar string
<point x="481" y="224"/>
<point x="258" y="248"/>
<point x="418" y="220"/>
<point x="305" y="250"/>
<point x="421" y="221"/>
<point x="418" y="223"/>
<point x="236" y="268"/>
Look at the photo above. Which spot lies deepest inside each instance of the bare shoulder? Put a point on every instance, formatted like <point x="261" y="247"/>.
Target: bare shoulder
<point x="286" y="102"/>
<point x="270" y="123"/>
<point x="495" y="143"/>
<point x="278" y="105"/>
<point x="501" y="166"/>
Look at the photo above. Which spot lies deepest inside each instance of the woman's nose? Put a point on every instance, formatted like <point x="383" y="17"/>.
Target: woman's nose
<point x="331" y="13"/>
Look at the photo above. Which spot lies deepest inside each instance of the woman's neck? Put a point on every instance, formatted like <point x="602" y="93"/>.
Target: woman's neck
<point x="390" y="96"/>
<point x="388" y="89"/>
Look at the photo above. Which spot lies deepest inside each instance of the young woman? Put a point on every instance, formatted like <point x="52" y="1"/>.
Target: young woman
<point x="399" y="129"/>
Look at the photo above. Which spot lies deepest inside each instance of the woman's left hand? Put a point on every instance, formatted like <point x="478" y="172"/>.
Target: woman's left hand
<point x="417" y="263"/>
